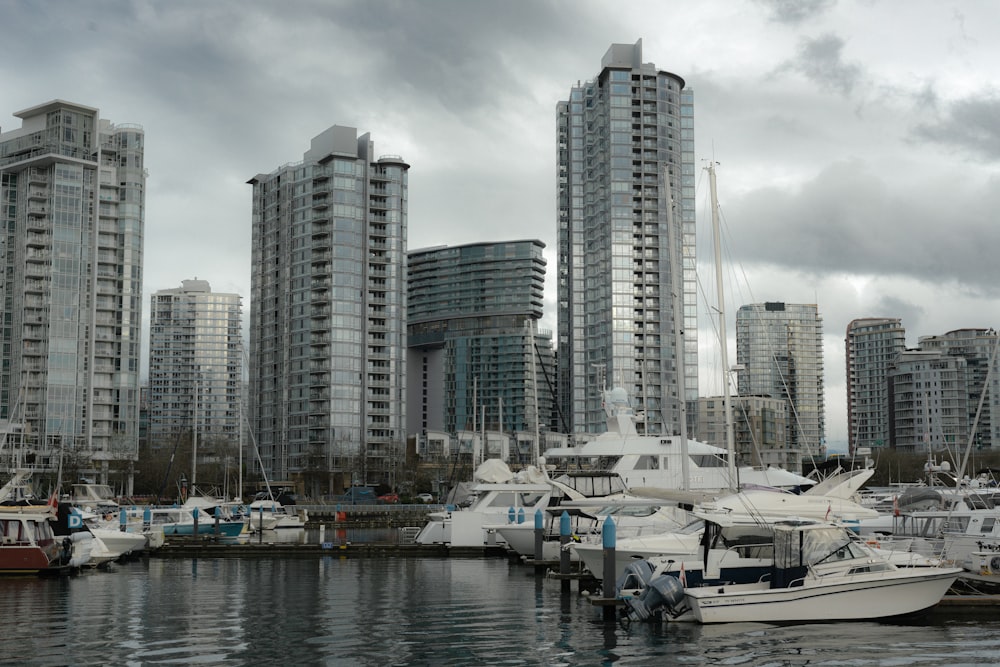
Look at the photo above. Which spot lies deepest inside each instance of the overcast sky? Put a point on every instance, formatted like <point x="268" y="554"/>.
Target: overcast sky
<point x="857" y="142"/>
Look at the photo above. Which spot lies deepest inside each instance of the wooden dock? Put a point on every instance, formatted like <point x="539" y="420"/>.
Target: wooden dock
<point x="952" y="601"/>
<point x="210" y="548"/>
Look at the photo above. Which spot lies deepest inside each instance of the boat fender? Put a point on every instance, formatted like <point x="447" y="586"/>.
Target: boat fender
<point x="995" y="564"/>
<point x="66" y="555"/>
<point x="663" y="592"/>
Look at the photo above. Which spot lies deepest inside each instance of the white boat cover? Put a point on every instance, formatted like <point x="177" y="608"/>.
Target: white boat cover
<point x="493" y="471"/>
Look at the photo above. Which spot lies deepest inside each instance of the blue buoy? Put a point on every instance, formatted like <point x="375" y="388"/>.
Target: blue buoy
<point x="539" y="519"/>
<point x="520" y="515"/>
<point x="510" y="514"/>
<point x="565" y="526"/>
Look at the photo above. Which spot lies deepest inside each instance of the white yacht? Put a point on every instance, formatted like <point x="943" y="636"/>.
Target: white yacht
<point x="495" y="494"/>
<point x="831" y="500"/>
<point x="632" y="516"/>
<point x="656" y="461"/>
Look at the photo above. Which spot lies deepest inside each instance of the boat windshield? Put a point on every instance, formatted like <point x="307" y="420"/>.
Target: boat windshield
<point x="795" y="548"/>
<point x="692" y="528"/>
<point x="510" y="499"/>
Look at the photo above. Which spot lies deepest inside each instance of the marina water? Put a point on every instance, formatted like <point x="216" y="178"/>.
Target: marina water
<point x="333" y="610"/>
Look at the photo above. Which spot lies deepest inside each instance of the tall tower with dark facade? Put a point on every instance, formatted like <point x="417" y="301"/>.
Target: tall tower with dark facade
<point x="476" y="355"/>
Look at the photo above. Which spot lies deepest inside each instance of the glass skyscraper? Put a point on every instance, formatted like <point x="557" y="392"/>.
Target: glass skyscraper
<point x="625" y="151"/>
<point x="72" y="189"/>
<point x="779" y="353"/>
<point x="195" y="366"/>
<point x="475" y="354"/>
<point x="328" y="302"/>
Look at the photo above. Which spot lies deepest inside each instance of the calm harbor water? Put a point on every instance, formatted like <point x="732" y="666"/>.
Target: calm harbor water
<point x="413" y="611"/>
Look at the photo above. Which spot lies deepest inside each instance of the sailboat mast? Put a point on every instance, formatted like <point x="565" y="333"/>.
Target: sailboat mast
<point x="536" y="445"/>
<point x="723" y="340"/>
<point x="979" y="408"/>
<point x="194" y="440"/>
<point x="239" y="439"/>
<point x="676" y="280"/>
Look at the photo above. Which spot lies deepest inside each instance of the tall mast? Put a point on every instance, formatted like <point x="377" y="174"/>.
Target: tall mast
<point x="723" y="340"/>
<point x="536" y="448"/>
<point x="194" y="440"/>
<point x="676" y="285"/>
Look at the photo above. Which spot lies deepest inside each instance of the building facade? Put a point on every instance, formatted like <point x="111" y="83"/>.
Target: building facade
<point x="928" y="401"/>
<point x="196" y="369"/>
<point x="979" y="349"/>
<point x="760" y="430"/>
<point x="779" y="353"/>
<point x="476" y="359"/>
<point x="72" y="187"/>
<point x="872" y="346"/>
<point x="627" y="300"/>
<point x="328" y="314"/>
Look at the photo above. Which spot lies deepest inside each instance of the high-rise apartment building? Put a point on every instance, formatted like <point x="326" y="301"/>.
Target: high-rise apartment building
<point x="476" y="357"/>
<point x="625" y="153"/>
<point x="328" y="314"/>
<point x="72" y="188"/>
<point x="929" y="401"/>
<point x="779" y="353"/>
<point x="872" y="346"/>
<point x="195" y="368"/>
<point x="979" y="349"/>
<point x="759" y="429"/>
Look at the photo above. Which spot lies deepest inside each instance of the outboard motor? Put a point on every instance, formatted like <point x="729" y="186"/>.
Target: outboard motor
<point x="635" y="578"/>
<point x="663" y="592"/>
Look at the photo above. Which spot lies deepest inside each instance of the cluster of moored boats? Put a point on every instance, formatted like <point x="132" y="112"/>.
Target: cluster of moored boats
<point x="88" y="528"/>
<point x="780" y="548"/>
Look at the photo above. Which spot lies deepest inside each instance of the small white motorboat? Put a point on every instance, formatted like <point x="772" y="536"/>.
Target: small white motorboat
<point x="272" y="515"/>
<point x="820" y="572"/>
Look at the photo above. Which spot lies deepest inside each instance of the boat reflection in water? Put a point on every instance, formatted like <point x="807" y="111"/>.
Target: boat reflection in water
<point x="326" y="610"/>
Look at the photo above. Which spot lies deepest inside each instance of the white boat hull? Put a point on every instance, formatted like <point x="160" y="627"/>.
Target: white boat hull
<point x="521" y="539"/>
<point x="462" y="528"/>
<point x="119" y="543"/>
<point x="899" y="593"/>
<point x="632" y="549"/>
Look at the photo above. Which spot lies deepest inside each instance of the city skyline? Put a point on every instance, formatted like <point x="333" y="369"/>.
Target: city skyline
<point x="858" y="165"/>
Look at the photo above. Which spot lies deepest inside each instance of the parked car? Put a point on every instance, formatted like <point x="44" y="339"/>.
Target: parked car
<point x="389" y="498"/>
<point x="425" y="497"/>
